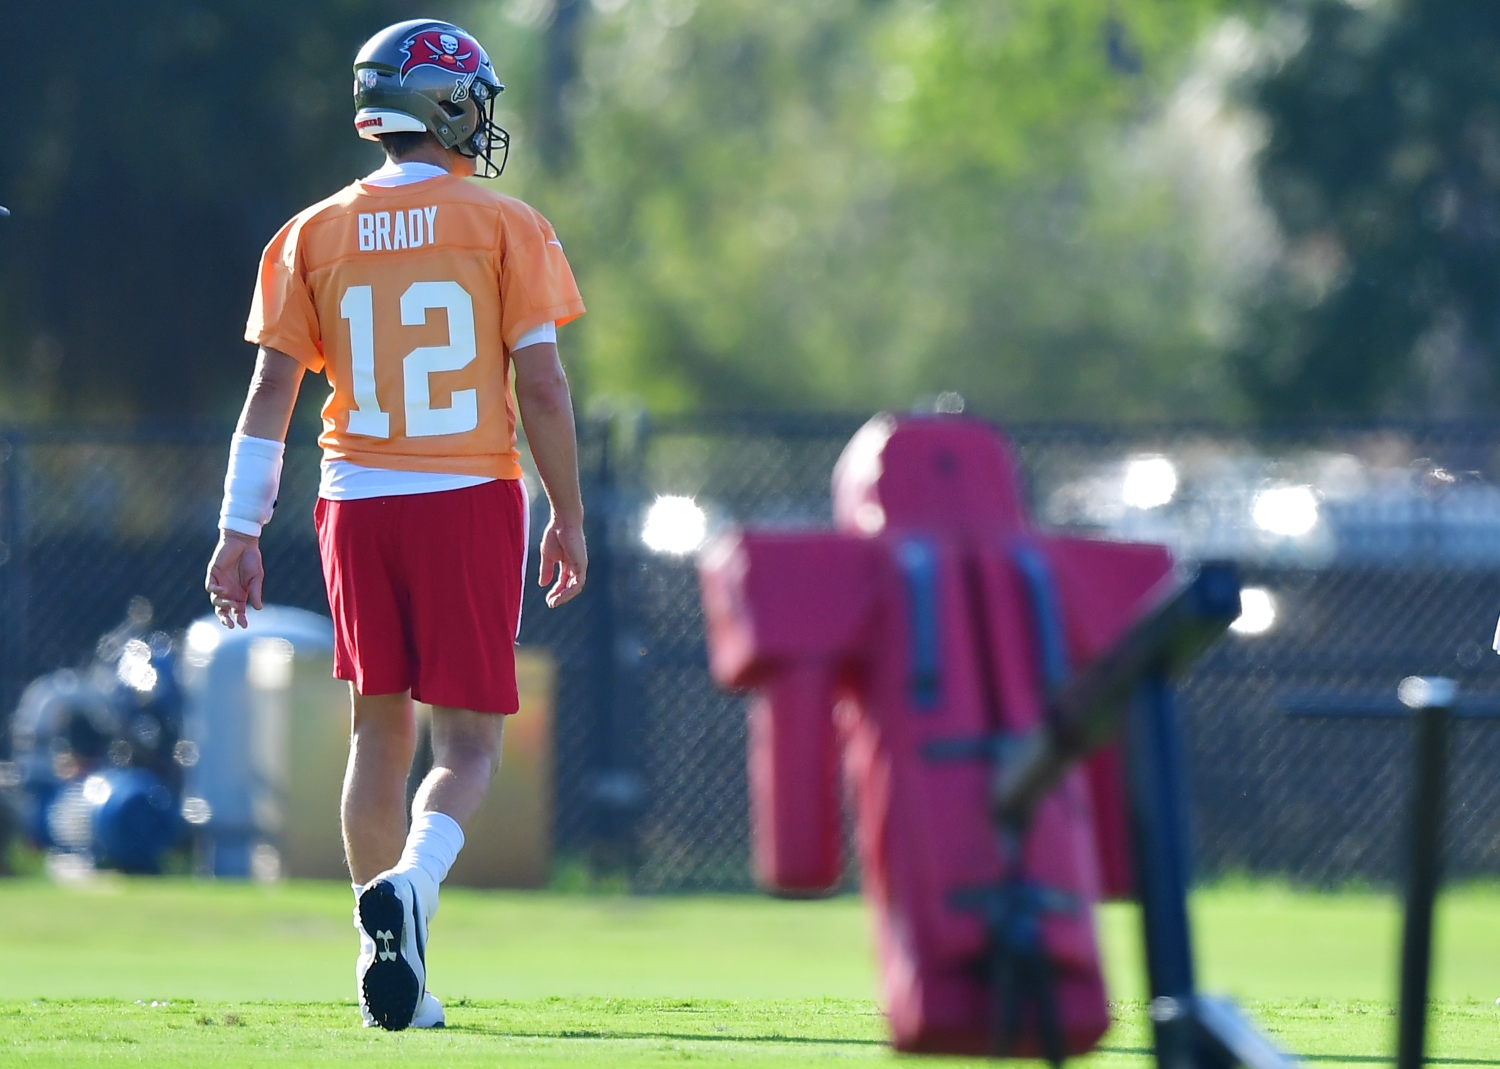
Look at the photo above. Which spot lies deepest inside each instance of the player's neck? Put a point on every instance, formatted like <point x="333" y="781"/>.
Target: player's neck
<point x="448" y="159"/>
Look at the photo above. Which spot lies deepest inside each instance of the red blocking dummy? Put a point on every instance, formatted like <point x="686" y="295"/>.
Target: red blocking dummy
<point x="757" y="590"/>
<point x="909" y="641"/>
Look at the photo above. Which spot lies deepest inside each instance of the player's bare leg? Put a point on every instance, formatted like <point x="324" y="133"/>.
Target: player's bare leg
<point x="465" y="757"/>
<point x="382" y="739"/>
<point x="381" y="743"/>
<point x="395" y="907"/>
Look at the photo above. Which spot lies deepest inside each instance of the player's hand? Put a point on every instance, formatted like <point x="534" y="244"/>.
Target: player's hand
<point x="235" y="577"/>
<point x="563" y="552"/>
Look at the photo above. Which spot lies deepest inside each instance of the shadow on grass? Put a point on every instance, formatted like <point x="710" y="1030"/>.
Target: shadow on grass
<point x="1390" y="1059"/>
<point x="687" y="1037"/>
<point x="1370" y="1059"/>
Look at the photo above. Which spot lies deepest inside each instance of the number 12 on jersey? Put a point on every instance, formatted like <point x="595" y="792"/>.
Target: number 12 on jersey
<point x="422" y="420"/>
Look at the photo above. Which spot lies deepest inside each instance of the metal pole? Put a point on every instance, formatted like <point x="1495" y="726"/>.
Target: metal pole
<point x="1085" y="713"/>
<point x="15" y="541"/>
<point x="616" y="788"/>
<point x="1433" y="700"/>
<point x="607" y="854"/>
<point x="1157" y="808"/>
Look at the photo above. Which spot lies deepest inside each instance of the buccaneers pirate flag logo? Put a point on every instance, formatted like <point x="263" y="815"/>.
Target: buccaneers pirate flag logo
<point x="451" y="52"/>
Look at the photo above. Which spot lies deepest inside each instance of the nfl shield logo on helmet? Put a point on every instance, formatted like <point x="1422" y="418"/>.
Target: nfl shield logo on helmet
<point x="452" y="52"/>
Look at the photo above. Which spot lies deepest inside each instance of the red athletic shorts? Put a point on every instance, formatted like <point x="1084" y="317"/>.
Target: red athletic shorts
<point x="426" y="593"/>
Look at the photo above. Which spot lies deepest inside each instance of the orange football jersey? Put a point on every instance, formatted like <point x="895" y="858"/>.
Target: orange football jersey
<point x="409" y="298"/>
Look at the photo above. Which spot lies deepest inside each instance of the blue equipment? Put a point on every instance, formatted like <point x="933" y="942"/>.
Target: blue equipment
<point x="99" y="753"/>
<point x="123" y="818"/>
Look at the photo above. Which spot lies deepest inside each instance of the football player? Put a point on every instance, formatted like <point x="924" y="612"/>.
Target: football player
<point x="418" y="294"/>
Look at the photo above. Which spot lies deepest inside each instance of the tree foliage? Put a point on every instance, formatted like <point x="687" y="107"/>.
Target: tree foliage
<point x="154" y="149"/>
<point x="851" y="203"/>
<point x="1383" y="169"/>
<point x="830" y="203"/>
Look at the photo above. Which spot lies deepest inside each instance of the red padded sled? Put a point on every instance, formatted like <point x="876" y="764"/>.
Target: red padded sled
<point x="911" y="642"/>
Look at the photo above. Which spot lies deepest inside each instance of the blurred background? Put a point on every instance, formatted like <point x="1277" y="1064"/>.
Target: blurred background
<point x="1228" y="269"/>
<point x="1080" y="209"/>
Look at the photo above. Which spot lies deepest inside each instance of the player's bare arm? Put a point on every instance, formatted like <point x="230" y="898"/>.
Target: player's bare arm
<point x="236" y="573"/>
<point x="547" y="414"/>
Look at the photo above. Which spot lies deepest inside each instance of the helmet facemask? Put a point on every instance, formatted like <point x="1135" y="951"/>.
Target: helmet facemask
<point x="489" y="136"/>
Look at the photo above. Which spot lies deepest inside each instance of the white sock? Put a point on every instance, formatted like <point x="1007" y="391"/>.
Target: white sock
<point x="359" y="889"/>
<point x="432" y="846"/>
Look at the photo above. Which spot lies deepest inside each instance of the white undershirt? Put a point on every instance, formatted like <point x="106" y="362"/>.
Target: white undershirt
<point x="344" y="480"/>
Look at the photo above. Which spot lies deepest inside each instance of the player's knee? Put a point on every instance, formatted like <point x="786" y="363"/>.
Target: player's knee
<point x="474" y="749"/>
<point x="376" y="736"/>
<point x="467" y="740"/>
<point x="470" y="761"/>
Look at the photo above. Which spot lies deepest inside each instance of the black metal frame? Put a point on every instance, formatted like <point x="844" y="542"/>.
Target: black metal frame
<point x="1434" y="702"/>
<point x="1192" y="1030"/>
<point x="1129" y="690"/>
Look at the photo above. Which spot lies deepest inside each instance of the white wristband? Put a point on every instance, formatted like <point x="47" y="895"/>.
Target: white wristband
<point x="251" y="483"/>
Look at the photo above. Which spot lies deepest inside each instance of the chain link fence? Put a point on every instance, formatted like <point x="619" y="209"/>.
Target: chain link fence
<point x="1375" y="552"/>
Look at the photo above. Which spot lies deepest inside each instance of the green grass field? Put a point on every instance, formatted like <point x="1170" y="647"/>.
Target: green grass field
<point x="174" y="973"/>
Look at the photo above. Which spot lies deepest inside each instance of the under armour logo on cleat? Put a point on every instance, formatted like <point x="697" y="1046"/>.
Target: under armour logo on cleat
<point x="386" y="938"/>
